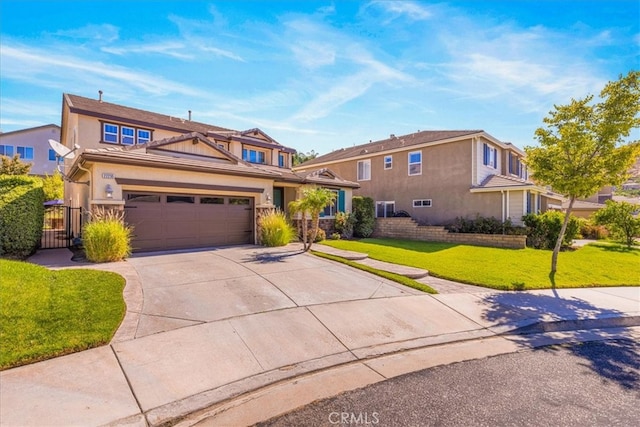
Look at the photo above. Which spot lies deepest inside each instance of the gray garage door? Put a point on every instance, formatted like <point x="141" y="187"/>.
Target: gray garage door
<point x="177" y="221"/>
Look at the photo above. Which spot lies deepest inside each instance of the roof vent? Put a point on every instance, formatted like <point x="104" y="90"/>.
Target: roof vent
<point x="364" y="151"/>
<point x="393" y="135"/>
<point x="189" y="115"/>
<point x="99" y="96"/>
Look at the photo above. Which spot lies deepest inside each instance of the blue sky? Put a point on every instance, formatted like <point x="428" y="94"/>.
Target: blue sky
<point x="317" y="75"/>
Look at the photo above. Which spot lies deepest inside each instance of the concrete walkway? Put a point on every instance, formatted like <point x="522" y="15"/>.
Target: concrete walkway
<point x="233" y="336"/>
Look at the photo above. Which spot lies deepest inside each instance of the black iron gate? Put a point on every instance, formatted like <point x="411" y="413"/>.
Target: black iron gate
<point x="62" y="224"/>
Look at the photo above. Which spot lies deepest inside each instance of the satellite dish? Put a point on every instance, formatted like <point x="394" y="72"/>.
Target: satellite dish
<point x="61" y="150"/>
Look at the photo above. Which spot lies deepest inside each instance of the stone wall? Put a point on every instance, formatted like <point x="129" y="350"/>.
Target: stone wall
<point x="407" y="228"/>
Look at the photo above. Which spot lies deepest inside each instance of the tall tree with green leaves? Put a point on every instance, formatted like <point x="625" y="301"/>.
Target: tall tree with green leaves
<point x="620" y="219"/>
<point x="313" y="200"/>
<point x="14" y="166"/>
<point x="584" y="145"/>
<point x="299" y="158"/>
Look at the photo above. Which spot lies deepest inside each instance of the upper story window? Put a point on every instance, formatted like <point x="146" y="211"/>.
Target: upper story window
<point x="25" y="153"/>
<point x="490" y="156"/>
<point x="281" y="159"/>
<point x="516" y="167"/>
<point x="124" y="135"/>
<point x="364" y="170"/>
<point x="415" y="163"/>
<point x="388" y="162"/>
<point x="253" y="156"/>
<point x="6" y="150"/>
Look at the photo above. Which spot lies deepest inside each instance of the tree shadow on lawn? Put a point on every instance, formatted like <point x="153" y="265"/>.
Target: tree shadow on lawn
<point x="573" y="320"/>
<point x="410" y="245"/>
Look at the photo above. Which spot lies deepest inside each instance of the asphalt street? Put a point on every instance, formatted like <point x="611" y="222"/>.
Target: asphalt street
<point x="590" y="384"/>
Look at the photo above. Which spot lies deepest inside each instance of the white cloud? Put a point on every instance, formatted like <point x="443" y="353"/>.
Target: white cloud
<point x="396" y="9"/>
<point x="104" y="33"/>
<point x="42" y="68"/>
<point x="170" y="48"/>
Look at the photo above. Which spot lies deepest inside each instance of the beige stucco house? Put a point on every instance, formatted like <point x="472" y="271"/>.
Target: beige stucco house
<point x="181" y="183"/>
<point x="32" y="146"/>
<point x="436" y="176"/>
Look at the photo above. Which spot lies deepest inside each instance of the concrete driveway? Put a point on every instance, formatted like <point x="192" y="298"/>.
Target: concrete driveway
<point x="207" y="326"/>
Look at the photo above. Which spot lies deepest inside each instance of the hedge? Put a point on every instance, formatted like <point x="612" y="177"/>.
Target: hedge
<point x="21" y="215"/>
<point x="365" y="216"/>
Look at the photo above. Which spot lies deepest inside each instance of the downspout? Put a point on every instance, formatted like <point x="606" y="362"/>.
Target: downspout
<point x="503" y="207"/>
<point x="508" y="202"/>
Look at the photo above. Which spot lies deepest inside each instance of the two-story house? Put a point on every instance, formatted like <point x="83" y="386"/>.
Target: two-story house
<point x="32" y="146"/>
<point x="436" y="176"/>
<point x="182" y="183"/>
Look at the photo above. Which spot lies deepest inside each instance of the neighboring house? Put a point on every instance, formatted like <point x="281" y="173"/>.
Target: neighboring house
<point x="32" y="145"/>
<point x="182" y="184"/>
<point x="436" y="176"/>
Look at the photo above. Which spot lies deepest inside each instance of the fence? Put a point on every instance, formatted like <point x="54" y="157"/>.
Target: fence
<point x="61" y="223"/>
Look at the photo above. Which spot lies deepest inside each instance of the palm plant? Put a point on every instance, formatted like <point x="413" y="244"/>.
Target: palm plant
<point x="313" y="200"/>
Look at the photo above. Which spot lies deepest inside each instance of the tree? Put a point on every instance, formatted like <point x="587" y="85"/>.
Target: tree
<point x="583" y="147"/>
<point x="313" y="200"/>
<point x="299" y="158"/>
<point x="619" y="218"/>
<point x="14" y="166"/>
<point x="53" y="186"/>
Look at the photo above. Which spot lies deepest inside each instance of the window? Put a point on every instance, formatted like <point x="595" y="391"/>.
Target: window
<point x="211" y="200"/>
<point x="253" y="156"/>
<point x="144" y="136"/>
<point x="281" y="160"/>
<point x="330" y="210"/>
<point x="180" y="199"/>
<point x="110" y="133"/>
<point x="25" y="153"/>
<point x="128" y="135"/>
<point x="6" y="150"/>
<point x="364" y="170"/>
<point x="234" y="201"/>
<point x="52" y="155"/>
<point x="422" y="203"/>
<point x="151" y="198"/>
<point x="385" y="209"/>
<point x="125" y="135"/>
<point x="415" y="163"/>
<point x="388" y="162"/>
<point x="490" y="156"/>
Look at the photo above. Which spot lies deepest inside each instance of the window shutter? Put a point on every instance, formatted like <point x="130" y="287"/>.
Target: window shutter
<point x="486" y="154"/>
<point x="341" y="201"/>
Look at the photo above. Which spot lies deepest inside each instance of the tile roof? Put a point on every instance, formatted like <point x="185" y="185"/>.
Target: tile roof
<point x="391" y="143"/>
<point x="500" y="181"/>
<point x="107" y="110"/>
<point x="141" y="158"/>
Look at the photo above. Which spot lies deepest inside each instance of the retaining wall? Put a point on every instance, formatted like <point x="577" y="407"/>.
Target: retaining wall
<point x="407" y="228"/>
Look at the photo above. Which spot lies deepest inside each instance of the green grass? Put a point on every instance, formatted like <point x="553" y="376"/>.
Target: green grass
<point x="507" y="269"/>
<point x="46" y="313"/>
<point x="403" y="280"/>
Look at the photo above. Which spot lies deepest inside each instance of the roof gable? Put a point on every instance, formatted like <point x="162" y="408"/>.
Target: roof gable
<point x="189" y="145"/>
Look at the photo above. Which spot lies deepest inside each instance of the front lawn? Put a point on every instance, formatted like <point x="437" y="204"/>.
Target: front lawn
<point x="508" y="269"/>
<point x="46" y="313"/>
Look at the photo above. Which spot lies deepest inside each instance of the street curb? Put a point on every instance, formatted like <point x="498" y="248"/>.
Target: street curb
<point x="242" y="403"/>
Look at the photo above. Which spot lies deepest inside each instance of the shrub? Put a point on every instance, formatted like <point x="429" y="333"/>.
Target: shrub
<point x="619" y="219"/>
<point x="543" y="229"/>
<point x="322" y="235"/>
<point x="482" y="225"/>
<point x="364" y="213"/>
<point x="21" y="215"/>
<point x="335" y="236"/>
<point x="106" y="237"/>
<point x="344" y="224"/>
<point x="275" y="229"/>
<point x="589" y="230"/>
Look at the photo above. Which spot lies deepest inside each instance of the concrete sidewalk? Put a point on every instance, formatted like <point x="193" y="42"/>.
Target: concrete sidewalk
<point x="233" y="336"/>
